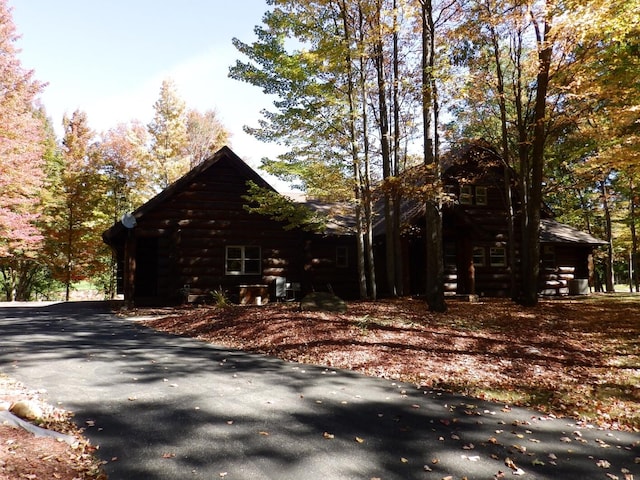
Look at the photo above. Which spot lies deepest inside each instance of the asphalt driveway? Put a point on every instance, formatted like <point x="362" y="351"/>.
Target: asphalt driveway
<point x="166" y="407"/>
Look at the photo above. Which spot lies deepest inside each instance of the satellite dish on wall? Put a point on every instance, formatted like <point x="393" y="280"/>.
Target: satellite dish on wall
<point x="128" y="220"/>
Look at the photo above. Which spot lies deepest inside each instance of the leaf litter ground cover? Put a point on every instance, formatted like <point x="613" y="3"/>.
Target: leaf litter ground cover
<point x="569" y="357"/>
<point x="24" y="455"/>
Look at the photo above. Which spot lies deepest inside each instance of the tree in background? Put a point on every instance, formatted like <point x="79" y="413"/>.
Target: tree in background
<point x="123" y="162"/>
<point x="346" y="104"/>
<point x="168" y="131"/>
<point x="74" y="246"/>
<point x="21" y="173"/>
<point x="205" y="135"/>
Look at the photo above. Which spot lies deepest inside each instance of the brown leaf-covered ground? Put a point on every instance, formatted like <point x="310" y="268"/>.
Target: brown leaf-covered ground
<point x="25" y="456"/>
<point x="577" y="357"/>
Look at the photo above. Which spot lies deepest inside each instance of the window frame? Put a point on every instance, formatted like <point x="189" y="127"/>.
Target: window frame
<point x="466" y="195"/>
<point x="497" y="259"/>
<point x="342" y="256"/>
<point x="481" y="198"/>
<point x="548" y="256"/>
<point x="474" y="255"/>
<point x="244" y="260"/>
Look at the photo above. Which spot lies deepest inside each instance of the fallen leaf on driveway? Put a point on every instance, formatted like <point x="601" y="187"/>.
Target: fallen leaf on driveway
<point x="603" y="464"/>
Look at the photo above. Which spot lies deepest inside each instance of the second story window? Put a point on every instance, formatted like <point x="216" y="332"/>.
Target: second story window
<point x="481" y="195"/>
<point x="466" y="195"/>
<point x="473" y="195"/>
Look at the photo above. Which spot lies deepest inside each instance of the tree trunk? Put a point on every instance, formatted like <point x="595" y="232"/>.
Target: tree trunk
<point x="433" y="214"/>
<point x="383" y="123"/>
<point x="534" y="206"/>
<point x="355" y="158"/>
<point x="608" y="275"/>
<point x="634" y="277"/>
<point x="504" y="134"/>
<point x="399" y="259"/>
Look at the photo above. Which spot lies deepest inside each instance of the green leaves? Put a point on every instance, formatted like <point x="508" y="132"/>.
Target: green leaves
<point x="278" y="207"/>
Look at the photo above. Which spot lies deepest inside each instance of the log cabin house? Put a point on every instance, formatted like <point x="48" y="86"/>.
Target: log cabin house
<point x="476" y="233"/>
<point x="196" y="237"/>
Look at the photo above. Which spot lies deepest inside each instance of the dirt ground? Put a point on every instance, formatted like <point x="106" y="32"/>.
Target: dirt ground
<point x="569" y="357"/>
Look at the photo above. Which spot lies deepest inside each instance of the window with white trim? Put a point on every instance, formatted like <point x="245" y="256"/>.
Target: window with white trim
<point x="242" y="260"/>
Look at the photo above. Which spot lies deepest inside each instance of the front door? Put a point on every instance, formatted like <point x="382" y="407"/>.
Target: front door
<point x="146" y="282"/>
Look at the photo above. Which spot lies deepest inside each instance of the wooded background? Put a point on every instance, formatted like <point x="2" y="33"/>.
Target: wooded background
<point x="364" y="90"/>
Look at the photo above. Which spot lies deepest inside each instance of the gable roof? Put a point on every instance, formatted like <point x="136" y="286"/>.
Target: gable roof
<point x="187" y="179"/>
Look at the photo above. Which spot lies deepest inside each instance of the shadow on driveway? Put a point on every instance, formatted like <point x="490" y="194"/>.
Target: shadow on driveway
<point x="166" y="407"/>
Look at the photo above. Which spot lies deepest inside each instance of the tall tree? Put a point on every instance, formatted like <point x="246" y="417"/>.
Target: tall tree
<point x="205" y="135"/>
<point x="335" y="100"/>
<point x="21" y="148"/>
<point x="123" y="161"/>
<point x="168" y="131"/>
<point x="433" y="207"/>
<point x="73" y="221"/>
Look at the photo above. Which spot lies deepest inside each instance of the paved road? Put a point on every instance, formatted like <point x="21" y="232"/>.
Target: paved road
<point x="165" y="407"/>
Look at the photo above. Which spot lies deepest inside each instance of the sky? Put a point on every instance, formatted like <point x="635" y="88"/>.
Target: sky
<point x="109" y="58"/>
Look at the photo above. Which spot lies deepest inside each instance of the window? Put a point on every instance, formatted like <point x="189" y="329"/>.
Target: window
<point x="497" y="256"/>
<point x="342" y="257"/>
<point x="481" y="195"/>
<point x="479" y="257"/>
<point x="450" y="255"/>
<point x="241" y="260"/>
<point x="466" y="195"/>
<point x="548" y="256"/>
<point x="471" y="195"/>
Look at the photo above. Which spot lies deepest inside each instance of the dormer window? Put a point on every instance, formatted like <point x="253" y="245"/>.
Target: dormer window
<point x="481" y="195"/>
<point x="473" y="195"/>
<point x="466" y="195"/>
